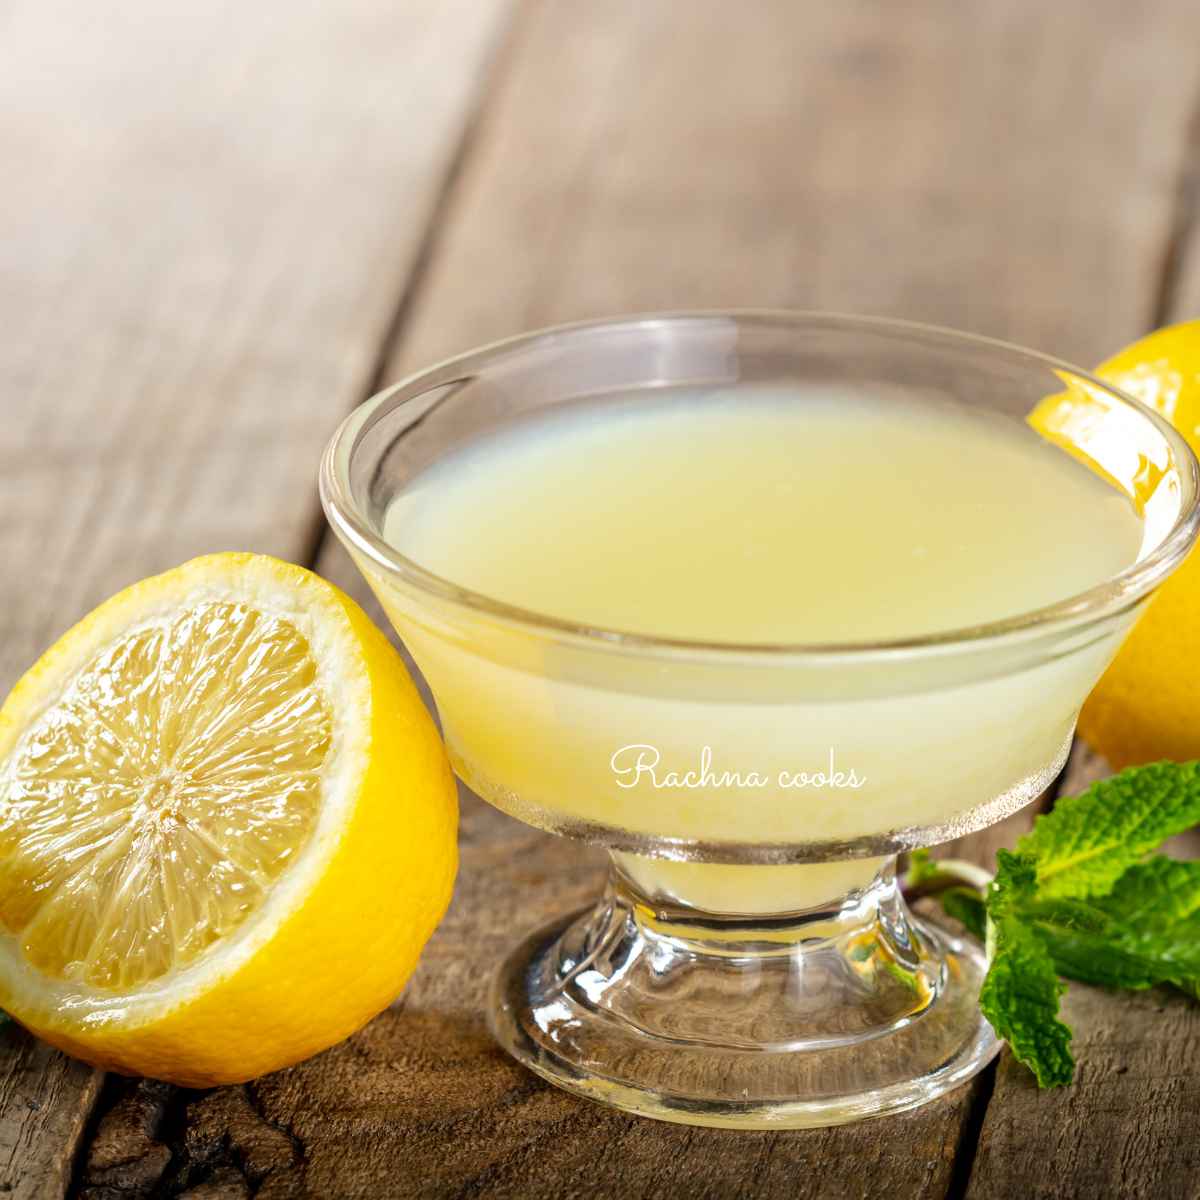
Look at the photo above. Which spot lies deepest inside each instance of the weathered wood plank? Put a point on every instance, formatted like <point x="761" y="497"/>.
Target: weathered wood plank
<point x="926" y="164"/>
<point x="210" y="212"/>
<point x="967" y="163"/>
<point x="45" y="1099"/>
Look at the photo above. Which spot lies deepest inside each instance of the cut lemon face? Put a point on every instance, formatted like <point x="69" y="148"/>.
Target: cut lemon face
<point x="226" y="825"/>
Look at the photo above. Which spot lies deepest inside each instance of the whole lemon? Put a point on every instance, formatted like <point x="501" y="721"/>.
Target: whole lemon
<point x="1147" y="705"/>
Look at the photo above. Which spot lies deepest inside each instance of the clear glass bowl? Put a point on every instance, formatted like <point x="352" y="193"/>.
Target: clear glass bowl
<point x="751" y="963"/>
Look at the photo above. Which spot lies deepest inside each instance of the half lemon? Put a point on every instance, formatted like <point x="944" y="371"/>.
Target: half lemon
<point x="227" y="825"/>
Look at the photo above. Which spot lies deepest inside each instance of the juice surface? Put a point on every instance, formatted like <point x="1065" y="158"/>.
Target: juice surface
<point x="767" y="515"/>
<point x="757" y="515"/>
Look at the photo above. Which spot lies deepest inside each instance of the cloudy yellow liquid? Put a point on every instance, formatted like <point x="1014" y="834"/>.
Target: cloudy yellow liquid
<point x="753" y="517"/>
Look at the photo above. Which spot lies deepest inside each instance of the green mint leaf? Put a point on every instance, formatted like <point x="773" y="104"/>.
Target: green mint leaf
<point x="1090" y="959"/>
<point x="1089" y="945"/>
<point x="921" y="869"/>
<point x="1020" y="999"/>
<point x="1015" y="882"/>
<point x="966" y="906"/>
<point x="1144" y="932"/>
<point x="1159" y="896"/>
<point x="1157" y="903"/>
<point x="1088" y="842"/>
<point x="1021" y="992"/>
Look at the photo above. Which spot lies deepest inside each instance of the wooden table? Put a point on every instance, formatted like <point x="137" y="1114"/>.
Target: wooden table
<point x="225" y="224"/>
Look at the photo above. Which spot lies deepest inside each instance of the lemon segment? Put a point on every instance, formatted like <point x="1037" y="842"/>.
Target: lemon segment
<point x="227" y="825"/>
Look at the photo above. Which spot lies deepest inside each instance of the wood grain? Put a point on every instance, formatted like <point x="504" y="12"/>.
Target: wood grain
<point x="45" y="1099"/>
<point x="924" y="162"/>
<point x="210" y="214"/>
<point x="1003" y="167"/>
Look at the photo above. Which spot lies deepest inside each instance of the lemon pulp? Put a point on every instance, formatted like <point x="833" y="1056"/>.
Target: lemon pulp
<point x="152" y="805"/>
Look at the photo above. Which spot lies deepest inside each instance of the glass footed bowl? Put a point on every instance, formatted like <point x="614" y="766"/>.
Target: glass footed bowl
<point x="751" y="962"/>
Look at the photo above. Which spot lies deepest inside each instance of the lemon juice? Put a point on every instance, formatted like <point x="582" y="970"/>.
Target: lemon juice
<point x="743" y="518"/>
<point x="722" y="524"/>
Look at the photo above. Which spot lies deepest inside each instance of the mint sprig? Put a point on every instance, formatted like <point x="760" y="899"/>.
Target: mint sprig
<point x="1082" y="896"/>
<point x="1087" y="843"/>
<point x="1021" y="991"/>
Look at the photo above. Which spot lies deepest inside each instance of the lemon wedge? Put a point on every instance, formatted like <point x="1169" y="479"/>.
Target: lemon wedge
<point x="227" y="826"/>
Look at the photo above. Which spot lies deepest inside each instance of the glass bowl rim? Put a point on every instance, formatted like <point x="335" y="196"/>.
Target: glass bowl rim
<point x="1106" y="598"/>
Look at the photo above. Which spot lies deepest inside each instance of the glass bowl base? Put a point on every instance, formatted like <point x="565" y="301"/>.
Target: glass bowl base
<point x="847" y="1011"/>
